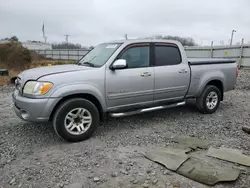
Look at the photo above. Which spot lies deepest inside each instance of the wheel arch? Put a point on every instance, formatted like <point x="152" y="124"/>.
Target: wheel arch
<point x="219" y="85"/>
<point x="86" y="96"/>
<point x="215" y="78"/>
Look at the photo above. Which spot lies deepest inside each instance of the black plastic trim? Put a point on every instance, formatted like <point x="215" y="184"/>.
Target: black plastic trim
<point x="209" y="63"/>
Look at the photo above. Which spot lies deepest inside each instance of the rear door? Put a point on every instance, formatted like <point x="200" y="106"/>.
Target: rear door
<point x="172" y="75"/>
<point x="132" y="87"/>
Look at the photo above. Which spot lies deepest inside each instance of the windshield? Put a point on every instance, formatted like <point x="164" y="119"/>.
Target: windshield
<point x="99" y="55"/>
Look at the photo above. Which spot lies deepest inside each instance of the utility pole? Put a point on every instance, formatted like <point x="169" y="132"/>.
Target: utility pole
<point x="222" y="42"/>
<point x="126" y="36"/>
<point x="232" y="36"/>
<point x="67" y="40"/>
<point x="44" y="36"/>
<point x="241" y="51"/>
<point x="211" y="49"/>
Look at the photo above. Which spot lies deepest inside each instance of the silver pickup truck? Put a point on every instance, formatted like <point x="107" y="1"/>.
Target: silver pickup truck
<point x="120" y="78"/>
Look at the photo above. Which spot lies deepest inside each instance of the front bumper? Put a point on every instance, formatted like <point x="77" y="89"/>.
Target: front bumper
<point x="36" y="110"/>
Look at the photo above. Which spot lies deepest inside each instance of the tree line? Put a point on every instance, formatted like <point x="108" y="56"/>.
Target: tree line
<point x="13" y="38"/>
<point x="65" y="45"/>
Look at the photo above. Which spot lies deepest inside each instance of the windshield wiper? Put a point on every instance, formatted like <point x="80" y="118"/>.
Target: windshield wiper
<point x="88" y="63"/>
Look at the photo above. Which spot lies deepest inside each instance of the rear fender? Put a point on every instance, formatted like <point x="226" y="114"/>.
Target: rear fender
<point x="210" y="76"/>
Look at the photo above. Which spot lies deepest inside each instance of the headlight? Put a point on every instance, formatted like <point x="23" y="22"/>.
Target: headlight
<point x="37" y="88"/>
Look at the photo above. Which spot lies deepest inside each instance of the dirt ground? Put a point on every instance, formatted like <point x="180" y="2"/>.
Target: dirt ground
<point x="32" y="156"/>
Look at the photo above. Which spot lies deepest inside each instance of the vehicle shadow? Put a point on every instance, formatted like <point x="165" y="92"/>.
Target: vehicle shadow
<point x="43" y="135"/>
<point x="158" y="116"/>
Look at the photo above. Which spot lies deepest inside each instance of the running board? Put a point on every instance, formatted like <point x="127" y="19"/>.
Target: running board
<point x="146" y="110"/>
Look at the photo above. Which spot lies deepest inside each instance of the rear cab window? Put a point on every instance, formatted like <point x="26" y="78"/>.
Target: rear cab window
<point x="167" y="54"/>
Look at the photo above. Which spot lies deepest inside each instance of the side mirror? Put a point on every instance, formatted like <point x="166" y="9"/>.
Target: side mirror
<point x="119" y="64"/>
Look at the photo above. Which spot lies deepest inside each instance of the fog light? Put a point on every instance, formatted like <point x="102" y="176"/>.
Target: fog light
<point x="24" y="114"/>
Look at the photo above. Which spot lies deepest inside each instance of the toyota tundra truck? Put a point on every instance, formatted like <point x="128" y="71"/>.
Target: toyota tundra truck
<point x="120" y="78"/>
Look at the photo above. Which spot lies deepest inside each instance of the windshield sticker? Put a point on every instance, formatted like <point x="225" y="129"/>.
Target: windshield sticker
<point x="111" y="46"/>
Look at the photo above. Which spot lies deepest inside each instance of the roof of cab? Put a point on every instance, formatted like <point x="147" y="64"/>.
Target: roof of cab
<point x="131" y="41"/>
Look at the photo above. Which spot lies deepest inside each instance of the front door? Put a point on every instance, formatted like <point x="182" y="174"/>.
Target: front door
<point x="132" y="86"/>
<point x="172" y="75"/>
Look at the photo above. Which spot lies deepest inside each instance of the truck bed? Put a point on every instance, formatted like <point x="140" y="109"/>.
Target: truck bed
<point x="204" y="69"/>
<point x="206" y="61"/>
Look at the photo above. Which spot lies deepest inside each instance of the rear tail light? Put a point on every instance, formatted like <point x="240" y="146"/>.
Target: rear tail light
<point x="237" y="70"/>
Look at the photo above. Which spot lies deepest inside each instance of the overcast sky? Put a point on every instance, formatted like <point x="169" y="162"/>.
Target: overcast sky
<point x="90" y="22"/>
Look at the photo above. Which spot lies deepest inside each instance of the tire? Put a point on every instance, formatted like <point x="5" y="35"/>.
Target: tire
<point x="67" y="114"/>
<point x="204" y="105"/>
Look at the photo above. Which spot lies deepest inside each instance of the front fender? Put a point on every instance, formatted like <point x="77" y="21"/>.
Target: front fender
<point x="71" y="89"/>
<point x="210" y="76"/>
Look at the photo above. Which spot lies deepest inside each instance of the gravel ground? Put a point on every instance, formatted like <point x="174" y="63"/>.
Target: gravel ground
<point x="31" y="155"/>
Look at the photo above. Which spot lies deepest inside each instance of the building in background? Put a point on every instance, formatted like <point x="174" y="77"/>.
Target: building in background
<point x="36" y="45"/>
<point x="4" y="41"/>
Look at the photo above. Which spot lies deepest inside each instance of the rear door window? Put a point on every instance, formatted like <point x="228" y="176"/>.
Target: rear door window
<point x="167" y="55"/>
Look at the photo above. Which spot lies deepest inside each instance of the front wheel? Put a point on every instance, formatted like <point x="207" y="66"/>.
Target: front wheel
<point x="76" y="119"/>
<point x="209" y="100"/>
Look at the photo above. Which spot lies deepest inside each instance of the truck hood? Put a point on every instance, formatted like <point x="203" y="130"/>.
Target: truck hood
<point x="36" y="73"/>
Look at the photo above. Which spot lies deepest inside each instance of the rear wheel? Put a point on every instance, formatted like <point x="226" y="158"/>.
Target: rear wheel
<point x="76" y="119"/>
<point x="209" y="100"/>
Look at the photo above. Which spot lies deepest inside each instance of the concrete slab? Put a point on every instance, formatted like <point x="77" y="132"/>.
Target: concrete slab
<point x="203" y="172"/>
<point x="191" y="142"/>
<point x="171" y="158"/>
<point x="199" y="170"/>
<point x="228" y="154"/>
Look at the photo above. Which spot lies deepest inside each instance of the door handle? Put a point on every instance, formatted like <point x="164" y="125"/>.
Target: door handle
<point x="183" y="71"/>
<point x="145" y="74"/>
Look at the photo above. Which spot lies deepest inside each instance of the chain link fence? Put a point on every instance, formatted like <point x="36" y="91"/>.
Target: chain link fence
<point x="63" y="54"/>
